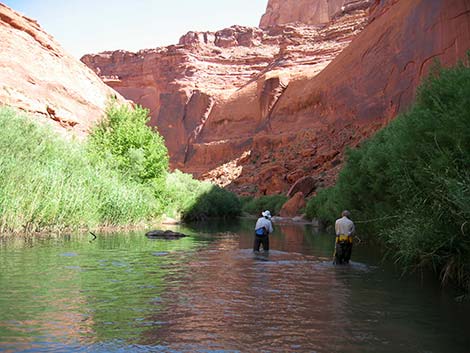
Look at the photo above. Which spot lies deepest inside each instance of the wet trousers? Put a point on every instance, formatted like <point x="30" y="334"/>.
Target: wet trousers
<point x="343" y="252"/>
<point x="261" y="239"/>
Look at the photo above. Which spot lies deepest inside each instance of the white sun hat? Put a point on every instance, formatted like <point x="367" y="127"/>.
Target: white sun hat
<point x="266" y="214"/>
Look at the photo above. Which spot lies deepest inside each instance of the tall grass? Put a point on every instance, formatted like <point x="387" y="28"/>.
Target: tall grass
<point x="119" y="177"/>
<point x="49" y="183"/>
<point x="410" y="183"/>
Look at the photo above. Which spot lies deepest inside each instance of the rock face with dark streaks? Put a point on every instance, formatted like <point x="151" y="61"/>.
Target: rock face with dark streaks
<point x="37" y="76"/>
<point x="256" y="110"/>
<point x="212" y="96"/>
<point x="310" y="12"/>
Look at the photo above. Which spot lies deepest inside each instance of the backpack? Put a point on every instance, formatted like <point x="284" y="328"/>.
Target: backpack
<point x="261" y="231"/>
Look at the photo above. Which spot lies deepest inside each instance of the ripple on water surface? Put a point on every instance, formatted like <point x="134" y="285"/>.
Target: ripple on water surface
<point x="124" y="293"/>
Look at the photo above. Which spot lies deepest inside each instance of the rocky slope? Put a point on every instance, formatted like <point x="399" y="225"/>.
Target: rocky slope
<point x="212" y="95"/>
<point x="370" y="82"/>
<point x="258" y="110"/>
<point x="38" y="77"/>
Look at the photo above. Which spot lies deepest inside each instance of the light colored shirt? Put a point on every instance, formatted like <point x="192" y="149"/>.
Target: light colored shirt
<point x="344" y="226"/>
<point x="264" y="222"/>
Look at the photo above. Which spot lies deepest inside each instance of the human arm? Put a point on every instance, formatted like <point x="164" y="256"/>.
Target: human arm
<point x="270" y="228"/>
<point x="352" y="230"/>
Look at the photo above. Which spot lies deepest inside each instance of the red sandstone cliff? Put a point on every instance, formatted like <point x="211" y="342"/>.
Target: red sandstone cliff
<point x="38" y="77"/>
<point x="311" y="12"/>
<point x="212" y="95"/>
<point x="258" y="110"/>
<point x="373" y="79"/>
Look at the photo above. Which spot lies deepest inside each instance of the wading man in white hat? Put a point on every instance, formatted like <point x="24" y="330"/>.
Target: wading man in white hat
<point x="263" y="228"/>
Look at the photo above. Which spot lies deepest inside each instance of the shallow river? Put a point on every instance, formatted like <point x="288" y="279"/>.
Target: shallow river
<point x="209" y="293"/>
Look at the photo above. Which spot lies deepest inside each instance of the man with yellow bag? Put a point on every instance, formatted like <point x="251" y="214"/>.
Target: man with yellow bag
<point x="344" y="229"/>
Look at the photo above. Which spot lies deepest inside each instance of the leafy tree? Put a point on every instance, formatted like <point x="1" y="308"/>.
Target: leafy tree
<point x="136" y="149"/>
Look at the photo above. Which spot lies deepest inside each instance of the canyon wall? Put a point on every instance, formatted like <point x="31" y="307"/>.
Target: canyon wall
<point x="375" y="78"/>
<point x="259" y="110"/>
<point x="310" y="12"/>
<point x="37" y="76"/>
<point x="212" y="93"/>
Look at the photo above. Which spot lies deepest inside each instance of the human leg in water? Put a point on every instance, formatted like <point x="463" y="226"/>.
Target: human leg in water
<point x="261" y="240"/>
<point x="265" y="242"/>
<point x="347" y="252"/>
<point x="340" y="253"/>
<point x="256" y="243"/>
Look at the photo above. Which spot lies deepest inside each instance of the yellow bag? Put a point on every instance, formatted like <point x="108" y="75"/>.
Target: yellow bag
<point x="343" y="238"/>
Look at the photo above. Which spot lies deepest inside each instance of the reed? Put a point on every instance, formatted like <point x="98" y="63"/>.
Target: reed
<point x="118" y="178"/>
<point x="49" y="183"/>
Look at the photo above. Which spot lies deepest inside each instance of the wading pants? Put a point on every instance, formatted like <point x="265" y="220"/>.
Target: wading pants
<point x="343" y="249"/>
<point x="261" y="239"/>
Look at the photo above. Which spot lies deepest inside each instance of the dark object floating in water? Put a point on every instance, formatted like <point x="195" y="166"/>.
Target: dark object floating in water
<point x="94" y="237"/>
<point x="164" y="234"/>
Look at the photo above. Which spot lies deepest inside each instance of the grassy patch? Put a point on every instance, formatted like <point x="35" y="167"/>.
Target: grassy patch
<point x="194" y="200"/>
<point x="119" y="177"/>
<point x="47" y="182"/>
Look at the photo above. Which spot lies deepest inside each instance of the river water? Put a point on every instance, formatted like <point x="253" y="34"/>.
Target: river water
<point x="209" y="293"/>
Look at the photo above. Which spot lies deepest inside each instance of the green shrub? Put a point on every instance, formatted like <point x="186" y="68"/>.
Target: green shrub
<point x="195" y="200"/>
<point x="47" y="182"/>
<point x="413" y="179"/>
<point x="124" y="140"/>
<point x="324" y="206"/>
<point x="244" y="200"/>
<point x="273" y="203"/>
<point x="119" y="178"/>
<point x="126" y="143"/>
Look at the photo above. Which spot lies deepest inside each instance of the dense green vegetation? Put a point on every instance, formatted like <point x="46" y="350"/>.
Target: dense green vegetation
<point x="127" y="144"/>
<point x="410" y="183"/>
<point x="119" y="177"/>
<point x="195" y="200"/>
<point x="47" y="182"/>
<point x="255" y="206"/>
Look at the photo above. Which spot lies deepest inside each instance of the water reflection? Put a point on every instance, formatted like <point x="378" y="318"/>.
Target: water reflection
<point x="209" y="292"/>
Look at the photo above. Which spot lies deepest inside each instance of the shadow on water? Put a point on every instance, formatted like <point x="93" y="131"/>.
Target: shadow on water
<point x="210" y="293"/>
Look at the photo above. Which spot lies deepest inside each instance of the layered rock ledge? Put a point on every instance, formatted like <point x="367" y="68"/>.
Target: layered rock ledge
<point x="212" y="96"/>
<point x="256" y="110"/>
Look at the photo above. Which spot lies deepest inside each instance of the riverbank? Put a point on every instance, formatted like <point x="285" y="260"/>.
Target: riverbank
<point x="49" y="184"/>
<point x="162" y="222"/>
<point x="410" y="183"/>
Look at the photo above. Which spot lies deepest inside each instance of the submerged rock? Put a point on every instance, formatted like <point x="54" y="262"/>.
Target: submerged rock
<point x="164" y="234"/>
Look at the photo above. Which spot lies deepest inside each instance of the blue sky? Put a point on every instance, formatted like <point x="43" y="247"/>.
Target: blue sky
<point x="90" y="26"/>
